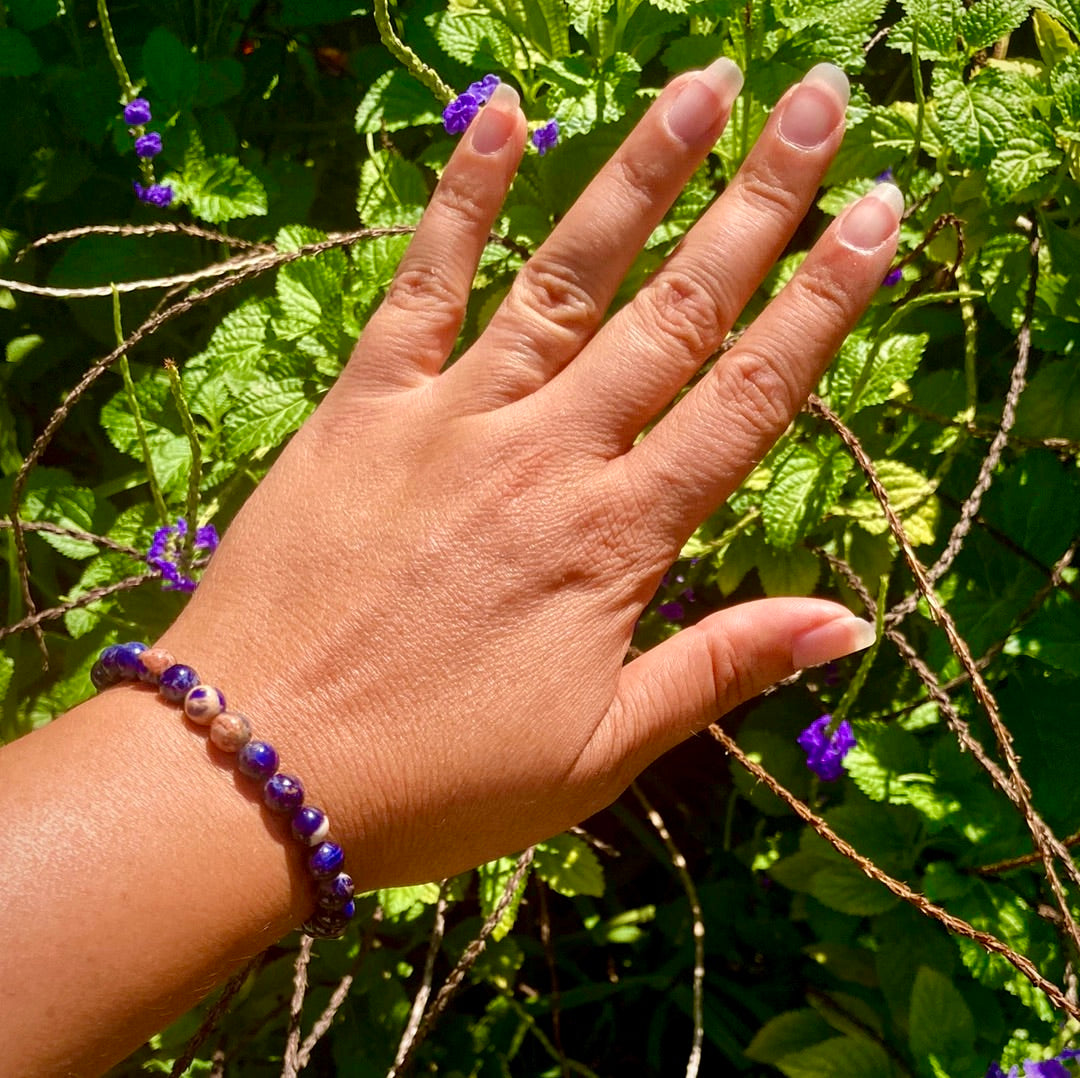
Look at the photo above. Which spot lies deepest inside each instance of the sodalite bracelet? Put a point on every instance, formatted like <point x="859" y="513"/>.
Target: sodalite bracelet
<point x="231" y="732"/>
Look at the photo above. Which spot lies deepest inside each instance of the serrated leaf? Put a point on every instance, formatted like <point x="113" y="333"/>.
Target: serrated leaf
<point x="1025" y="160"/>
<point x="786" y="1034"/>
<point x="392" y="190"/>
<point x="985" y="22"/>
<point x="394" y="101"/>
<point x="839" y="1057"/>
<point x="396" y="901"/>
<point x="938" y="23"/>
<point x="218" y="188"/>
<point x="885" y="761"/>
<point x="939" y="1021"/>
<point x="492" y="881"/>
<point x="868" y="372"/>
<point x="804" y="488"/>
<point x="266" y="414"/>
<point x="787" y="572"/>
<point x="53" y="496"/>
<point x="1067" y="12"/>
<point x="1052" y="39"/>
<point x="846" y="889"/>
<point x="18" y="57"/>
<point x="567" y="864"/>
<point x="478" y="40"/>
<point x="581" y="97"/>
<point x="908" y="491"/>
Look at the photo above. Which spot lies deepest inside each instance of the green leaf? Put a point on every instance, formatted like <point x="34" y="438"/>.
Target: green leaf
<point x="940" y="1022"/>
<point x="781" y="757"/>
<point x="1067" y="12"/>
<point x="52" y="496"/>
<point x="1065" y="80"/>
<point x="1052" y="38"/>
<point x="839" y="1057"/>
<point x="492" y="881"/>
<point x="392" y="190"/>
<point x="172" y="74"/>
<point x="938" y="23"/>
<point x="33" y="14"/>
<point x="266" y="414"/>
<point x="885" y="761"/>
<point x="394" y="101"/>
<point x="218" y="188"/>
<point x="7" y="669"/>
<point x="567" y="864"/>
<point x="396" y="901"/>
<point x="787" y="1034"/>
<point x="479" y="41"/>
<point x="1027" y="158"/>
<point x="582" y="98"/>
<point x="985" y="22"/>
<point x="804" y="487"/>
<point x="787" y="572"/>
<point x="845" y="888"/>
<point x="1050" y="406"/>
<point x="868" y="372"/>
<point x="18" y="57"/>
<point x="1052" y="636"/>
<point x="908" y="491"/>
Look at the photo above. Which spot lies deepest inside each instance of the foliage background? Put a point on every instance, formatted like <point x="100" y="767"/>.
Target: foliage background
<point x="289" y="125"/>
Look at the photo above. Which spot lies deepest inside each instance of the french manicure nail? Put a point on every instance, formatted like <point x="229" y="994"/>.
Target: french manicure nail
<point x="830" y="641"/>
<point x="702" y="100"/>
<point x="497" y="120"/>
<point x="815" y="108"/>
<point x="873" y="219"/>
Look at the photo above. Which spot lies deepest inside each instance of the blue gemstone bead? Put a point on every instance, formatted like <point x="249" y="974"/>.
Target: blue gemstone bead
<point x="100" y="676"/>
<point x="177" y="682"/>
<point x="108" y="659"/>
<point x="127" y="659"/>
<point x="309" y="825"/>
<point x="326" y="860"/>
<point x="337" y="893"/>
<point x="283" y="793"/>
<point x="257" y="760"/>
<point x="329" y="924"/>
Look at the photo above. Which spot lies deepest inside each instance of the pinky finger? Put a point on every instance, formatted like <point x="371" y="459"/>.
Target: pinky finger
<point x="412" y="333"/>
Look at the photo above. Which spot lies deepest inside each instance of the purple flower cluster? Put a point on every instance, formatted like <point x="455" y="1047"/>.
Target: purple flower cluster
<point x="1048" y="1068"/>
<point x="825" y="752"/>
<point x="544" y="138"/>
<point x="147" y="145"/>
<point x="460" y="112"/>
<point x="166" y="553"/>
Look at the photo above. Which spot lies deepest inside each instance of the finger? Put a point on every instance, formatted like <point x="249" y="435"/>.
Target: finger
<point x="561" y="294"/>
<point x="653" y="346"/>
<point x="698" y="453"/>
<point x="701" y="673"/>
<point x="412" y="333"/>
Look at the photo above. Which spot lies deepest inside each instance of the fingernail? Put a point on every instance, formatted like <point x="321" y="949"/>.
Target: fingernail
<point x="703" y="99"/>
<point x="496" y="121"/>
<point x="873" y="219"/>
<point x="833" y="640"/>
<point x="815" y="108"/>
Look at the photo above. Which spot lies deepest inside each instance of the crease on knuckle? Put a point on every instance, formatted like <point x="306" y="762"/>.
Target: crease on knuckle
<point x="728" y="684"/>
<point x="638" y="181"/>
<point x="821" y="294"/>
<point x="458" y="197"/>
<point x="427" y="292"/>
<point x="555" y="294"/>
<point x="761" y="191"/>
<point x="759" y="392"/>
<point x="679" y="307"/>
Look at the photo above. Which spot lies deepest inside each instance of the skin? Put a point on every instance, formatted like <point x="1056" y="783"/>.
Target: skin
<point x="427" y="603"/>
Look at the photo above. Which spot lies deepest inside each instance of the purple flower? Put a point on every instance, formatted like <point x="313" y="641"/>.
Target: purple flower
<point x="483" y="89"/>
<point x="884" y="177"/>
<point x="673" y="611"/>
<point x="148" y="145"/>
<point x="1047" y="1068"/>
<point x="166" y="553"/>
<point x="137" y="112"/>
<point x="544" y="138"/>
<point x="459" y="113"/>
<point x="892" y="278"/>
<point x="825" y="752"/>
<point x="157" y="194"/>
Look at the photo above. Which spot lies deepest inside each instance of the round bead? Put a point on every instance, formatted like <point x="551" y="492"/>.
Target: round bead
<point x="326" y="860"/>
<point x="176" y="682"/>
<point x="203" y="703"/>
<point x="108" y="659"/>
<point x="153" y="663"/>
<point x="283" y="793"/>
<point x="310" y="825"/>
<point x="337" y="893"/>
<point x="127" y="659"/>
<point x="100" y="676"/>
<point x="230" y="731"/>
<point x="257" y="760"/>
<point x="329" y="924"/>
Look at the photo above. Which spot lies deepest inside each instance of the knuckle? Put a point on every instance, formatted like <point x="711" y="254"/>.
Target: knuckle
<point x="460" y="198"/>
<point x="823" y="298"/>
<point x="638" y="180"/>
<point x="762" y="394"/>
<point x="681" y="308"/>
<point x="556" y="294"/>
<point x="729" y="687"/>
<point x="427" y="295"/>
<point x="761" y="191"/>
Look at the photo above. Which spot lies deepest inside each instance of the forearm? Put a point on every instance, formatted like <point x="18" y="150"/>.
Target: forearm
<point x="139" y="868"/>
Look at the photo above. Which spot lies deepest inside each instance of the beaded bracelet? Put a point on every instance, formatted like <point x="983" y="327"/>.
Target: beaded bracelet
<point x="231" y="732"/>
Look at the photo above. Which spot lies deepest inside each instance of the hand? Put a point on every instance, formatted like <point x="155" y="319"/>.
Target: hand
<point x="427" y="603"/>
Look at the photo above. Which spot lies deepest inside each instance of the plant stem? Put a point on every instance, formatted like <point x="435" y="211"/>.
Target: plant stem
<point x="398" y="49"/>
<point x="136" y="414"/>
<point x="127" y="87"/>
<point x="857" y="681"/>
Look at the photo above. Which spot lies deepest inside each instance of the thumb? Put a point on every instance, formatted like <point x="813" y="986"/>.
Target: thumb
<point x="690" y="680"/>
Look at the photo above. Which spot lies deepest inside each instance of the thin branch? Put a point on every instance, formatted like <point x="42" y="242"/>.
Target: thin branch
<point x="75" y="533"/>
<point x="214" y="1015"/>
<point x="1000" y="867"/>
<point x="471" y="953"/>
<point x="419" y="1004"/>
<point x="554" y="995"/>
<point x="290" y="1064"/>
<point x="33" y="621"/>
<point x="954" y="924"/>
<point x="173" y="228"/>
<point x="694" y="1062"/>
